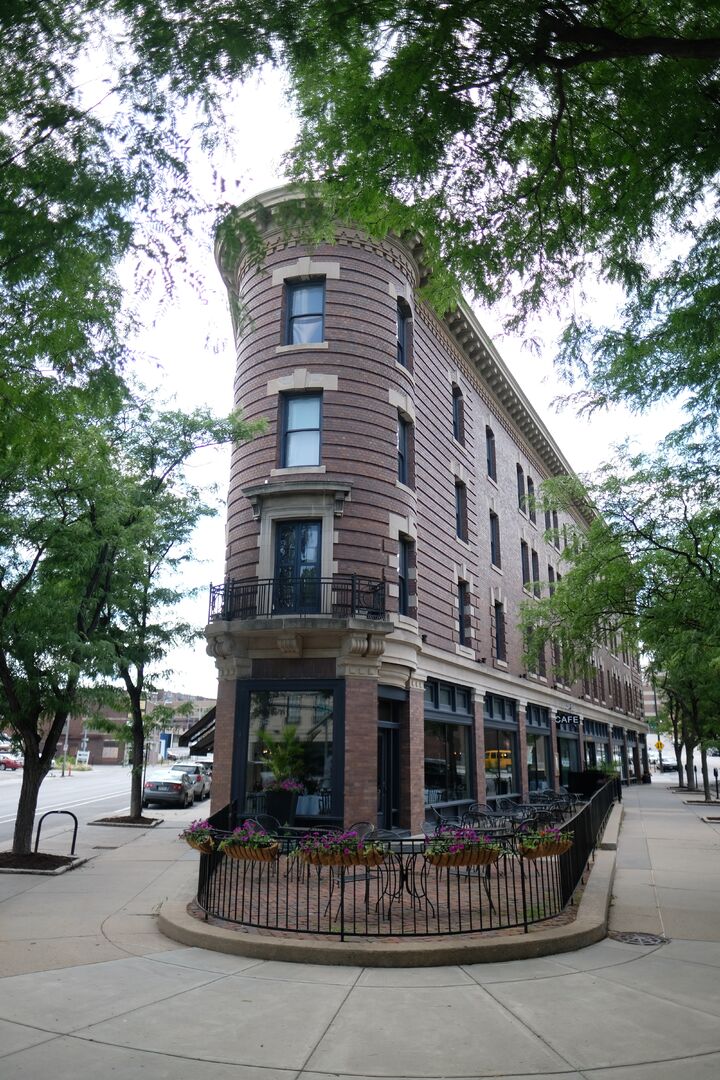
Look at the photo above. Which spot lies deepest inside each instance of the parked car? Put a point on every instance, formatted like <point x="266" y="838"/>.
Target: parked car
<point x="10" y="761"/>
<point x="170" y="788"/>
<point x="199" y="775"/>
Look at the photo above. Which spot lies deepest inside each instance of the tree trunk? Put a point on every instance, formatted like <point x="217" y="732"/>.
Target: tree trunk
<point x="33" y="774"/>
<point x="678" y="757"/>
<point x="138" y="763"/>
<point x="705" y="774"/>
<point x="677" y="743"/>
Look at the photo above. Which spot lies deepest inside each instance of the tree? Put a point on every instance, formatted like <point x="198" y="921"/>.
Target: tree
<point x="535" y="146"/>
<point x="648" y="568"/>
<point x="80" y="521"/>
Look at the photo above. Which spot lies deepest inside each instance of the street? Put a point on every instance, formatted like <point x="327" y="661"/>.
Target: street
<point x="103" y="791"/>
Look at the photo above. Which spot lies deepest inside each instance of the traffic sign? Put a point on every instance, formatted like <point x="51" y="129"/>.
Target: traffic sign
<point x="659" y="745"/>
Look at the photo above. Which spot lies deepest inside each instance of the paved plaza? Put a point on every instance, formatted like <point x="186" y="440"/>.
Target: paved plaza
<point x="90" y="988"/>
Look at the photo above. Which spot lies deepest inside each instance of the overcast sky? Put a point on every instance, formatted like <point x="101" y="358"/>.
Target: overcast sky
<point x="189" y="357"/>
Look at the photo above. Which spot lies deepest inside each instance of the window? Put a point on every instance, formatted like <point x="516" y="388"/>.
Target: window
<point x="462" y="598"/>
<point x="402" y="333"/>
<point x="448" y="743"/>
<point x="551" y="579"/>
<point x="300" y="430"/>
<point x="538" y="762"/>
<point x="525" y="563"/>
<point x="296" y="585"/>
<point x="542" y="663"/>
<point x="447" y="762"/>
<point x="521" y="487"/>
<point x="461" y="526"/>
<point x="500" y="652"/>
<point x="458" y="415"/>
<point x="305" y="301"/>
<point x="495" y="556"/>
<point x="499" y="763"/>
<point x="536" y="573"/>
<point x="490" y="453"/>
<point x="548" y="521"/>
<point x="556" y="530"/>
<point x="311" y="713"/>
<point x="531" y="499"/>
<point x="404" y="561"/>
<point x="403" y="450"/>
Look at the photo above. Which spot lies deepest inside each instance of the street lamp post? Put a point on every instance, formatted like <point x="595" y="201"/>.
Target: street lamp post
<point x="65" y="745"/>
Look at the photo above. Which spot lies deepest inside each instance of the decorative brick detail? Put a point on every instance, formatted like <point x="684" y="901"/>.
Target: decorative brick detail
<point x="479" y="744"/>
<point x="224" y="744"/>
<point x="412" y="762"/>
<point x="522" y="752"/>
<point x="361" y="722"/>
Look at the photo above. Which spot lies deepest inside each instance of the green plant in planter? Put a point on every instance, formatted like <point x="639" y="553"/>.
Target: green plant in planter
<point x="284" y="753"/>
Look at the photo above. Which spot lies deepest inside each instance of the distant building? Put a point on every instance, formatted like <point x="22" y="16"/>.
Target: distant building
<point x="109" y="749"/>
<point x="381" y="536"/>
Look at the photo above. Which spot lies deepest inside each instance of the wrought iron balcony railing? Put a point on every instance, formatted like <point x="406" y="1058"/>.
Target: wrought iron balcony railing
<point x="340" y="597"/>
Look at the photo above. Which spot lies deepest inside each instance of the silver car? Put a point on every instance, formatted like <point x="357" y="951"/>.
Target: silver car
<point x="168" y="787"/>
<point x="197" y="773"/>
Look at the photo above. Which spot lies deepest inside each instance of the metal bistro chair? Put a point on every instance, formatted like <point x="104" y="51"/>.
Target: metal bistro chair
<point x="365" y="830"/>
<point x="269" y="823"/>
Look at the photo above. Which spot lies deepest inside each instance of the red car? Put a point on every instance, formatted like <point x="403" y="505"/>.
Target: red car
<point x="9" y="762"/>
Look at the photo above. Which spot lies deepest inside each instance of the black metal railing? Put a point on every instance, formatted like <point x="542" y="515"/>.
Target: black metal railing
<point x="340" y="597"/>
<point x="405" y="895"/>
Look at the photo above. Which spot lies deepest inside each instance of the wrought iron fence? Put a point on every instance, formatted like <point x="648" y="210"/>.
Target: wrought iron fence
<point x="341" y="597"/>
<point x="405" y="895"/>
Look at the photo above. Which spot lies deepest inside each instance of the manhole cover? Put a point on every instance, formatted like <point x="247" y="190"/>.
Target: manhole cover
<point x="635" y="938"/>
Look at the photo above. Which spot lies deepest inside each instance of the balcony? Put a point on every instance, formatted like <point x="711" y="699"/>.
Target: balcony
<point x="343" y="596"/>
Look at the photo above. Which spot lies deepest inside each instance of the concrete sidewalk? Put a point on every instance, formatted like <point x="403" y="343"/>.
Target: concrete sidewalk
<point x="91" y="988"/>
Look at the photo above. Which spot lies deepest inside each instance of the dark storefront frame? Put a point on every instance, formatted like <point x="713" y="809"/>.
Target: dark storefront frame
<point x="242" y="730"/>
<point x="449" y="706"/>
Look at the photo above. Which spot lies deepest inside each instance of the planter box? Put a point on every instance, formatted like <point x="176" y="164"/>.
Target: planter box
<point x="282" y="805"/>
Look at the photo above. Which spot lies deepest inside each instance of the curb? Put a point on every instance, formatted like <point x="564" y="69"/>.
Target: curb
<point x="128" y="824"/>
<point x="611" y="834"/>
<point x="589" y="926"/>
<point x="78" y="860"/>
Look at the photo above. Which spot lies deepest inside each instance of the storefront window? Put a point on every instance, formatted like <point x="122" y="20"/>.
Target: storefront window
<point x="538" y="762"/>
<point x="569" y="758"/>
<point x="590" y="755"/>
<point x="447" y="762"/>
<point x="500" y="769"/>
<point x="299" y="728"/>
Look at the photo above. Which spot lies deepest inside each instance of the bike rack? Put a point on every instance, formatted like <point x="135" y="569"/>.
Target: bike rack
<point x="47" y="814"/>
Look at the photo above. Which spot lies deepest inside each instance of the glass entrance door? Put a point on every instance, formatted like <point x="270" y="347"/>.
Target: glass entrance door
<point x="388" y="778"/>
<point x="296" y="586"/>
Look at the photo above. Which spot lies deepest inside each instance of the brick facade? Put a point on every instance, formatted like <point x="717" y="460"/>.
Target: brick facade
<point x="369" y="521"/>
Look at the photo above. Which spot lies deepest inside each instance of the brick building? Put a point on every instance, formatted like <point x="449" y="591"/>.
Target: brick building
<point x="381" y="536"/>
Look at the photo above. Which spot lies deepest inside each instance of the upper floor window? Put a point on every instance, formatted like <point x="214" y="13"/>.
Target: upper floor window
<point x="461" y="522"/>
<point x="404" y="440"/>
<point x="548" y="520"/>
<point x="531" y="499"/>
<point x="495" y="556"/>
<point x="490" y="453"/>
<point x="551" y="579"/>
<point x="403" y="333"/>
<point x="404" y="563"/>
<point x="536" y="573"/>
<point x="500" y="652"/>
<point x="462" y="597"/>
<point x="525" y="563"/>
<point x="521" y="487"/>
<point x="301" y="418"/>
<point x="305" y="305"/>
<point x="458" y="415"/>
